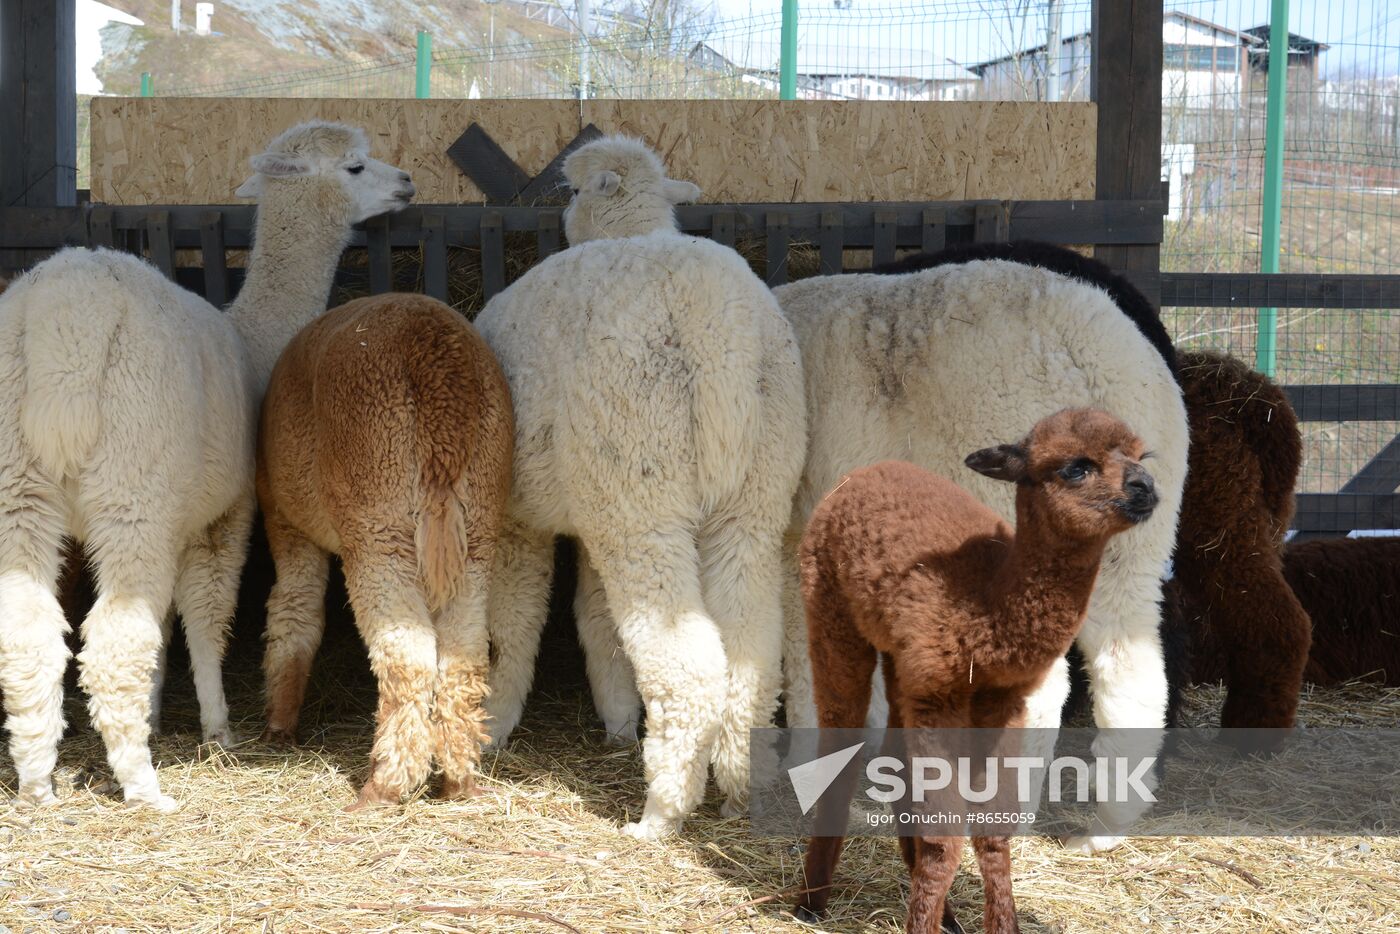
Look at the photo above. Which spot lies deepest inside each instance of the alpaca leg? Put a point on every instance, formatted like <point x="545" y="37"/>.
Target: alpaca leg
<point x="33" y="653"/>
<point x="994" y="861"/>
<point x="842" y="665"/>
<point x="167" y="627"/>
<point x="206" y="594"/>
<point x="653" y="583"/>
<point x="1123" y="656"/>
<point x="742" y="581"/>
<point x="518" y="611"/>
<point x="393" y="619"/>
<point x="122" y="641"/>
<point x="895" y="721"/>
<point x="610" y="674"/>
<point x="464" y="664"/>
<point x="296" y="619"/>
<point x="1265" y="635"/>
<point x="935" y="864"/>
<point x="1044" y="708"/>
<point x="799" y="705"/>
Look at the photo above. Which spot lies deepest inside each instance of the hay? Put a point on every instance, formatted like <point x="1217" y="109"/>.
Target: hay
<point x="260" y="842"/>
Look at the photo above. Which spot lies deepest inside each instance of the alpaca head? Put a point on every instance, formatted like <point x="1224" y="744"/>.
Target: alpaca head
<point x="336" y="158"/>
<point x="1078" y="473"/>
<point x="620" y="189"/>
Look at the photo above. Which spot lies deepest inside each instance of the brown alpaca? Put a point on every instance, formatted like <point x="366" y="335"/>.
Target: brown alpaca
<point x="386" y="438"/>
<point x="1243" y="464"/>
<point x="1350" y="588"/>
<point x="965" y="615"/>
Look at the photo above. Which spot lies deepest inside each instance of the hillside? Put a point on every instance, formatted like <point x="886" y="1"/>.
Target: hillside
<point x="259" y="44"/>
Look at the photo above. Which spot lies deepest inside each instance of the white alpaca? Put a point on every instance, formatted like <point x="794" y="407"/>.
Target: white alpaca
<point x="659" y="420"/>
<point x="127" y="418"/>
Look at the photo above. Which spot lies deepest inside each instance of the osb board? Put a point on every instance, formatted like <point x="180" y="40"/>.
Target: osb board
<point x="195" y="150"/>
<point x="863" y="151"/>
<point x="176" y="150"/>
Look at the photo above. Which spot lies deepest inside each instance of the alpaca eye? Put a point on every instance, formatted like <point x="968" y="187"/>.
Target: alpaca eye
<point x="355" y="169"/>
<point x="1075" y="471"/>
<point x="575" y="191"/>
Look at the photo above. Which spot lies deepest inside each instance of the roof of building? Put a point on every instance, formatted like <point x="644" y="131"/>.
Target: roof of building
<point x="1296" y="43"/>
<point x="980" y="67"/>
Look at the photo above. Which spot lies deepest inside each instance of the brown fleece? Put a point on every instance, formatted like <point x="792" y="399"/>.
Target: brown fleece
<point x="1350" y="587"/>
<point x="1238" y="501"/>
<point x="968" y="615"/>
<point x="387" y="435"/>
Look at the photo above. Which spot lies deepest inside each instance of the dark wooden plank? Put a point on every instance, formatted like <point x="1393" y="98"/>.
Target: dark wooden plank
<point x="991" y="223"/>
<point x="933" y="233"/>
<point x="886" y="225"/>
<point x="483" y="161"/>
<point x="44" y="228"/>
<point x="1369" y="403"/>
<point x="162" y="241"/>
<point x="1279" y="290"/>
<point x="132" y="239"/>
<point x="38" y="120"/>
<point x="100" y="230"/>
<point x="547" y="240"/>
<point x="1126" y="82"/>
<point x="832" y="242"/>
<point x="493" y="254"/>
<point x="435" y="256"/>
<point x="722" y="227"/>
<point x="381" y="256"/>
<point x="778" y="243"/>
<point x="211" y="245"/>
<point x="1054" y="221"/>
<point x="549" y="186"/>
<point x="1381" y="473"/>
<point x="1345" y="512"/>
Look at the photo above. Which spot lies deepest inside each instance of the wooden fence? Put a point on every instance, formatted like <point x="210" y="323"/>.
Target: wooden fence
<point x="1368" y="500"/>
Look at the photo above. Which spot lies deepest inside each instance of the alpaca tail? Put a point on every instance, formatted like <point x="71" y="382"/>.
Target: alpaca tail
<point x="441" y="543"/>
<point x="72" y="313"/>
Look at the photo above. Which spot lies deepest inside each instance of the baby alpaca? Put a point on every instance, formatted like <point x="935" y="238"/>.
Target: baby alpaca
<point x="386" y="438"/>
<point x="966" y="616"/>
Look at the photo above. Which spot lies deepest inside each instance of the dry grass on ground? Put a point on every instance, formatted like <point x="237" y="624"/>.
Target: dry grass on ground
<point x="260" y="842"/>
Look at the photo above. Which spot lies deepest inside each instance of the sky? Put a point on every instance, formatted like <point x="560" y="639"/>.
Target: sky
<point x="1364" y="34"/>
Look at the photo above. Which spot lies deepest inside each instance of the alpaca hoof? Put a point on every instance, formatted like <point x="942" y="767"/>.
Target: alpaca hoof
<point x="1093" y="843"/>
<point x="460" y="789"/>
<point x="162" y="804"/>
<point x="38" y="796"/>
<point x="807" y="915"/>
<point x="621" y="736"/>
<point x="373" y="796"/>
<point x="734" y="807"/>
<point x="278" y="737"/>
<point x="221" y="736"/>
<point x="950" y="923"/>
<point x="651" y="829"/>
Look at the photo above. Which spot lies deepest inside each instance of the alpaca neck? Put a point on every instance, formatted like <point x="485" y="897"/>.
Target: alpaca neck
<point x="303" y="225"/>
<point x="1044" y="584"/>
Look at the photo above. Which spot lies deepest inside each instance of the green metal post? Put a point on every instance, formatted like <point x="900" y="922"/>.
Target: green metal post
<point x="421" y="86"/>
<point x="146" y="89"/>
<point x="1266" y="347"/>
<point x="787" y="66"/>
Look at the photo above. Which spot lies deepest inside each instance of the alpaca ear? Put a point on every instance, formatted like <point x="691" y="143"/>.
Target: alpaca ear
<point x="252" y="188"/>
<point x="679" y="192"/>
<point x="279" y="164"/>
<point x="604" y="183"/>
<point x="1003" y="462"/>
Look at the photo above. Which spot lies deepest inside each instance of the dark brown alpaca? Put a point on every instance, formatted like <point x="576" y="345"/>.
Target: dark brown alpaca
<point x="1349" y="588"/>
<point x="1238" y="502"/>
<point x="966" y="615"/>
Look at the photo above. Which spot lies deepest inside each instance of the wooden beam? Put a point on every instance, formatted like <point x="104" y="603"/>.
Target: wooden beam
<point x="38" y="119"/>
<point x="1126" y="82"/>
<point x="1279" y="290"/>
